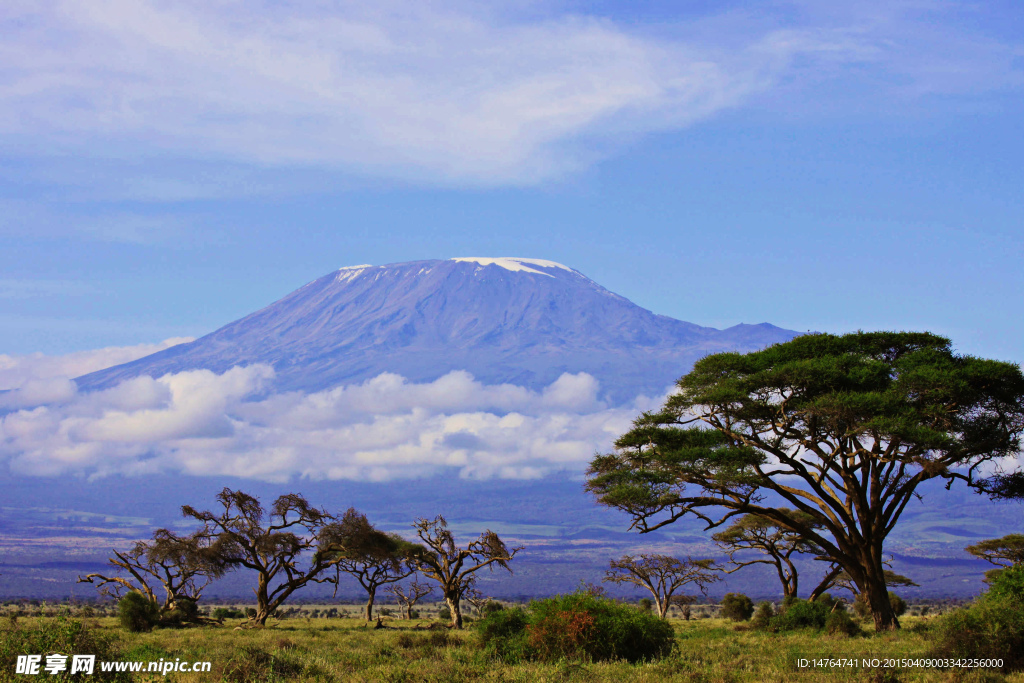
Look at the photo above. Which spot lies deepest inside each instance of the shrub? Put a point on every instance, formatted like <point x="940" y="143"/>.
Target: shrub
<point x="898" y="604"/>
<point x="185" y="611"/>
<point x="801" y="614"/>
<point x="737" y="607"/>
<point x="491" y="606"/>
<point x="137" y="613"/>
<point x="992" y="627"/>
<point x="580" y="625"/>
<point x="646" y="604"/>
<point x="61" y="634"/>
<point x="762" y="616"/>
<point x="222" y="613"/>
<point x="861" y="606"/>
<point x="840" y="623"/>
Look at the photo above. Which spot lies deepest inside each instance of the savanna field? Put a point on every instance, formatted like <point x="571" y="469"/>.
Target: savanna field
<point x="345" y="648"/>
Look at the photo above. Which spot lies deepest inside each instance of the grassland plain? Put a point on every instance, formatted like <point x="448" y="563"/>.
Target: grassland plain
<point x="346" y="649"/>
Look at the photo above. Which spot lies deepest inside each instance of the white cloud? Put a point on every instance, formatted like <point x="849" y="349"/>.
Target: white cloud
<point x="417" y="90"/>
<point x="24" y="372"/>
<point x="201" y="423"/>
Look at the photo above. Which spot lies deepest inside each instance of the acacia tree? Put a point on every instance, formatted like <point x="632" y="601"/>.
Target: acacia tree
<point x="181" y="566"/>
<point x="408" y="596"/>
<point x="776" y="544"/>
<point x="1002" y="552"/>
<point x="273" y="543"/>
<point x="452" y="567"/>
<point x="840" y="428"/>
<point x="378" y="564"/>
<point x="662" y="575"/>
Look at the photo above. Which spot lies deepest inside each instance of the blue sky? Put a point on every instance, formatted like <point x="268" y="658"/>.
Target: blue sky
<point x="169" y="167"/>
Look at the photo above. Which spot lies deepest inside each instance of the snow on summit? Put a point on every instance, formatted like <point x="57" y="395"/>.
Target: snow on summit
<point x="515" y="264"/>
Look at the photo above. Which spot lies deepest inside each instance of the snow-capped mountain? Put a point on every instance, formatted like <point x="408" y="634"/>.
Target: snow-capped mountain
<point x="505" y="320"/>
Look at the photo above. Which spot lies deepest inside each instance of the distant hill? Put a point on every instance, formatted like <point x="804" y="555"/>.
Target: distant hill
<point x="505" y="320"/>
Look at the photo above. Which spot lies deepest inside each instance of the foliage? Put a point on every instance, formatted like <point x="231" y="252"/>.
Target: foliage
<point x="801" y="614"/>
<point x="1002" y="552"/>
<point x="840" y="623"/>
<point x="992" y="627"/>
<point x="60" y="634"/>
<point x="762" y="616"/>
<point x="737" y="607"/>
<point x="577" y="626"/>
<point x="375" y="564"/>
<point x="221" y="613"/>
<point x="841" y="428"/>
<point x="899" y="605"/>
<point x="662" y="575"/>
<point x="646" y="604"/>
<point x="137" y="613"/>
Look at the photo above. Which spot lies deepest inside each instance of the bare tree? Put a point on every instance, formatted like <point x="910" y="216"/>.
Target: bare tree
<point x="473" y="596"/>
<point x="273" y="542"/>
<point x="379" y="564"/>
<point x="451" y="566"/>
<point x="662" y="575"/>
<point x="408" y="596"/>
<point x="775" y="543"/>
<point x="181" y="566"/>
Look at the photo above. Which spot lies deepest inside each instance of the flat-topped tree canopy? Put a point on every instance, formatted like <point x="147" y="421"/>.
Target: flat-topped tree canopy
<point x="842" y="429"/>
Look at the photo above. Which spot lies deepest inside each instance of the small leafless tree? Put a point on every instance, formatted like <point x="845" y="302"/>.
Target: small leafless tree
<point x="273" y="543"/>
<point x="179" y="567"/>
<point x="408" y="596"/>
<point x="450" y="566"/>
<point x="662" y="575"/>
<point x="473" y="596"/>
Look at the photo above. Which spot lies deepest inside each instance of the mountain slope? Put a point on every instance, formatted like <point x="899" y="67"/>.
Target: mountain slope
<point x="521" y="321"/>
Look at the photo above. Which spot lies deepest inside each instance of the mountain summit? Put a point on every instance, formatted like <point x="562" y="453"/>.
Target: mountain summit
<point x="505" y="320"/>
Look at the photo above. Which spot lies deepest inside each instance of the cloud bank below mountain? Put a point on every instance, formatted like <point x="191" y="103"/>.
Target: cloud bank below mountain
<point x="202" y="423"/>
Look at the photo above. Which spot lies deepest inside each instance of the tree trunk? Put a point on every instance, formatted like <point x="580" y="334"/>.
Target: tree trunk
<point x="453" y="606"/>
<point x="663" y="604"/>
<point x="262" y="602"/>
<point x="877" y="594"/>
<point x="369" y="605"/>
<point x="408" y="612"/>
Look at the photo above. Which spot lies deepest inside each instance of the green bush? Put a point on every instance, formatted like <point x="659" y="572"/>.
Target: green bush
<point x="137" y="613"/>
<point x="737" y="607"/>
<point x="222" y="613"/>
<point x="185" y="611"/>
<point x="898" y="604"/>
<point x="762" y="616"/>
<point x="502" y="634"/>
<point x="577" y="626"/>
<point x="491" y="606"/>
<point x="646" y="604"/>
<point x="840" y="623"/>
<point x="801" y="614"/>
<point x="61" y="634"/>
<point x="991" y="628"/>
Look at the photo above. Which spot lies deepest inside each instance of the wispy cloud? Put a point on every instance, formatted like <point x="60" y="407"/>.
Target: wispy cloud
<point x="18" y="371"/>
<point x="419" y="91"/>
<point x="202" y="423"/>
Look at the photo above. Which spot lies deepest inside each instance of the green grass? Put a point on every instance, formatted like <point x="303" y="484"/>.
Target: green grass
<point x="343" y="650"/>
